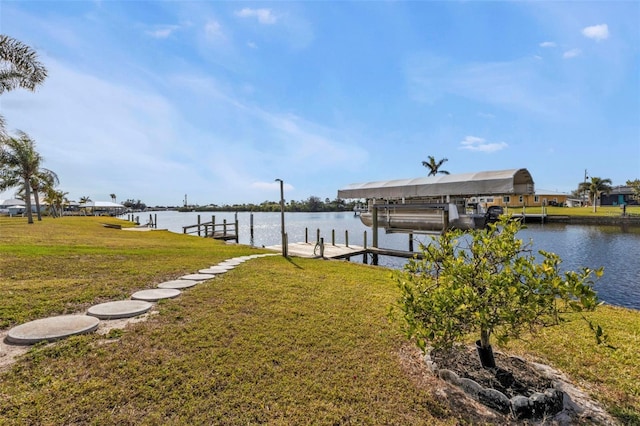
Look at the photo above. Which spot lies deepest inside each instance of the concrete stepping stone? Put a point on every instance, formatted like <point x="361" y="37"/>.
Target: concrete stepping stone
<point x="51" y="329"/>
<point x="178" y="284"/>
<point x="197" y="277"/>
<point x="155" y="294"/>
<point x="216" y="270"/>
<point x="119" y="309"/>
<point x="226" y="267"/>
<point x="231" y="262"/>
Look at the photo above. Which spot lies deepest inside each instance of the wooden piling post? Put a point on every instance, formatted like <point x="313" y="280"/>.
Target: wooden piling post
<point x="306" y="235"/>
<point x="237" y="230"/>
<point x="318" y="236"/>
<point x="224" y="227"/>
<point x="333" y="237"/>
<point x="250" y="227"/>
<point x="365" y="259"/>
<point x="374" y="229"/>
<point x="199" y="226"/>
<point x="410" y="242"/>
<point x="346" y="238"/>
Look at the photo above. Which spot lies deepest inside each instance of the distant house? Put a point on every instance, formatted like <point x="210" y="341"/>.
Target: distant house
<point x="538" y="199"/>
<point x="619" y="195"/>
<point x="103" y="208"/>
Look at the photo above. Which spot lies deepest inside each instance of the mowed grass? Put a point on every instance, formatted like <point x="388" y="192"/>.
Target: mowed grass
<point x="273" y="341"/>
<point x="65" y="265"/>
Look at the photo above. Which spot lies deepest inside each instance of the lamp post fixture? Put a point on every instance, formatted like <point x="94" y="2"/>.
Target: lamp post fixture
<point x="284" y="243"/>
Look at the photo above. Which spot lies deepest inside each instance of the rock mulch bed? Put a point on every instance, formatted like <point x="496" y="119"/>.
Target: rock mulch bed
<point x="517" y="388"/>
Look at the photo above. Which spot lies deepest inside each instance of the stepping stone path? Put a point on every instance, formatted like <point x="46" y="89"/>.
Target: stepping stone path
<point x="60" y="327"/>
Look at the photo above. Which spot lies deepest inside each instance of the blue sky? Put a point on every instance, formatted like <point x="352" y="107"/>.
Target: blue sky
<point x="155" y="100"/>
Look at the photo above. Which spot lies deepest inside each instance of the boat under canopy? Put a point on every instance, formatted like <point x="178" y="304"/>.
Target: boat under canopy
<point x="435" y="203"/>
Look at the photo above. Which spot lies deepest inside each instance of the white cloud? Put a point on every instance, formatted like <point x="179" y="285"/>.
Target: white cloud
<point x="511" y="85"/>
<point x="264" y="16"/>
<point x="213" y="30"/>
<point x="252" y="45"/>
<point x="571" y="53"/>
<point x="486" y="115"/>
<point x="548" y="44"/>
<point x="596" y="32"/>
<point x="474" y="143"/>
<point x="163" y="31"/>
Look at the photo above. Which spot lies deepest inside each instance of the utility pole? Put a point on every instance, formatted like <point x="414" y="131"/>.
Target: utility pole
<point x="584" y="187"/>
<point x="284" y="239"/>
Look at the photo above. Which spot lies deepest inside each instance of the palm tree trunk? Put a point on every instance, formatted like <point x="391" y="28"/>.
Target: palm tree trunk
<point x="27" y="201"/>
<point x="595" y="199"/>
<point x="37" y="198"/>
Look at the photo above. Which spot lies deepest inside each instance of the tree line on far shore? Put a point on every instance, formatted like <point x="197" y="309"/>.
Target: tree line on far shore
<point x="311" y="204"/>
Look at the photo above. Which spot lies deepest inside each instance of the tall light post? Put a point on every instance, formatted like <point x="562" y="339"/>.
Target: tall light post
<point x="284" y="243"/>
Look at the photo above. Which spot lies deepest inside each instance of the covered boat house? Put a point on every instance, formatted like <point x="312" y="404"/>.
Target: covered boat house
<point x="435" y="203"/>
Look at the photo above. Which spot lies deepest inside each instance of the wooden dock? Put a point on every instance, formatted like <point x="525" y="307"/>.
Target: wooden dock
<point x="338" y="251"/>
<point x="341" y="251"/>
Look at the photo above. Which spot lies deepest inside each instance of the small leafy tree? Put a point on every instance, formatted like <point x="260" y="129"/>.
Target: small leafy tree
<point x="635" y="186"/>
<point x="488" y="282"/>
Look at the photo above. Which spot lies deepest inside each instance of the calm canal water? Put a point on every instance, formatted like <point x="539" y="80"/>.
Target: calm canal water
<point x="617" y="250"/>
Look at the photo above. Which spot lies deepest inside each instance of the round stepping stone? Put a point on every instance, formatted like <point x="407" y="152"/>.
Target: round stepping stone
<point x="119" y="309"/>
<point x="155" y="294"/>
<point x="215" y="270"/>
<point x="232" y="262"/>
<point x="197" y="277"/>
<point x="51" y="329"/>
<point x="178" y="284"/>
<point x="225" y="266"/>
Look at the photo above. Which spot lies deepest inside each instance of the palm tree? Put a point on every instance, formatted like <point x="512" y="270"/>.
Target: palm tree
<point x="19" y="65"/>
<point x="42" y="181"/>
<point x="84" y="200"/>
<point x="113" y="197"/>
<point x="596" y="187"/>
<point x="434" y="167"/>
<point x="56" y="200"/>
<point x="19" y="163"/>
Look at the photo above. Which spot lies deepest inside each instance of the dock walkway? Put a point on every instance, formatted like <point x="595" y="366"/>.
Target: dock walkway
<point x="340" y="251"/>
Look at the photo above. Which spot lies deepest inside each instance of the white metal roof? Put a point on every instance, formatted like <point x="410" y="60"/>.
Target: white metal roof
<point x="102" y="204"/>
<point x="512" y="181"/>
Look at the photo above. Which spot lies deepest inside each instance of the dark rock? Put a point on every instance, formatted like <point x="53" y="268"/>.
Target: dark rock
<point x="471" y="387"/>
<point x="521" y="407"/>
<point x="495" y="399"/>
<point x="449" y="376"/>
<point x="555" y="400"/>
<point x="538" y="405"/>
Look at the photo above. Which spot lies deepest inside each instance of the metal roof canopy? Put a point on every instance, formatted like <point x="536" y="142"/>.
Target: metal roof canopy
<point x="513" y="181"/>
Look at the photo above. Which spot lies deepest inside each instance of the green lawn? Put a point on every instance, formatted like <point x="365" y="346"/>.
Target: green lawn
<point x="273" y="341"/>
